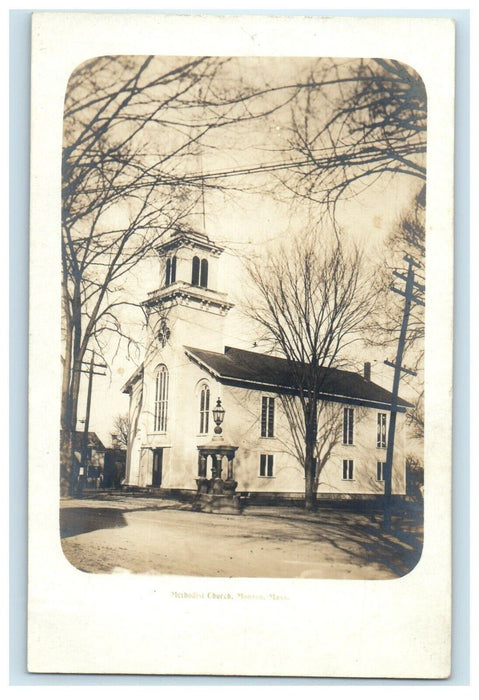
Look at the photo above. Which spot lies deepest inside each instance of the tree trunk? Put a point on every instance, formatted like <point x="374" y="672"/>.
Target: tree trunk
<point x="66" y="456"/>
<point x="74" y="392"/>
<point x="70" y="391"/>
<point x="67" y="362"/>
<point x="311" y="431"/>
<point x="309" y="491"/>
<point x="309" y="481"/>
<point x="66" y="434"/>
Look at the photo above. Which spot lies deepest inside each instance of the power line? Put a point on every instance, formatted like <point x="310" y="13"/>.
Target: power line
<point x="335" y="155"/>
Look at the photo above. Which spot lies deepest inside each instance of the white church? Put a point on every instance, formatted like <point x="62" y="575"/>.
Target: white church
<point x="188" y="373"/>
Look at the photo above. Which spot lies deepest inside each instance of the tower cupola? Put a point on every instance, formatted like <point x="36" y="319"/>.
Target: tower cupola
<point x="189" y="258"/>
<point x="188" y="295"/>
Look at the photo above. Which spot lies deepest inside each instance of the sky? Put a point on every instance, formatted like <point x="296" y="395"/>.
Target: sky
<point x="255" y="214"/>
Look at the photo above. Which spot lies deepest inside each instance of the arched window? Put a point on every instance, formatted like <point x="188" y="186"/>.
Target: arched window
<point x="173" y="269"/>
<point x="204" y="409"/>
<point x="161" y="400"/>
<point x="204" y="273"/>
<point x="168" y="272"/>
<point x="195" y="272"/>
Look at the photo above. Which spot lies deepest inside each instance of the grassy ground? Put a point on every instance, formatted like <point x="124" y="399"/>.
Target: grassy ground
<point x="112" y="533"/>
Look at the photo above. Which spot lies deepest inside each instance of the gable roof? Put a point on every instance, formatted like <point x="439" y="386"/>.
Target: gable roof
<point x="93" y="440"/>
<point x="268" y="372"/>
<point x="137" y="374"/>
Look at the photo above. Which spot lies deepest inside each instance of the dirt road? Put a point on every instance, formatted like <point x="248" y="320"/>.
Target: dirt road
<point x="146" y="535"/>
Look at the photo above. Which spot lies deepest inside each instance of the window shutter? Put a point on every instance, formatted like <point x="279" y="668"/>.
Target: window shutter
<point x="195" y="271"/>
<point x="271" y="418"/>
<point x="270" y="465"/>
<point x="264" y="408"/>
<point x="348" y="469"/>
<point x="381" y="431"/>
<point x="381" y="468"/>
<point x="161" y="400"/>
<point x="348" y="426"/>
<point x="202" y="408"/>
<point x="204" y="273"/>
<point x="207" y="409"/>
<point x="262" y="465"/>
<point x="167" y="274"/>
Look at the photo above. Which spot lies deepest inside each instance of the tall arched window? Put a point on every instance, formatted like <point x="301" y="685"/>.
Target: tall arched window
<point x="204" y="409"/>
<point x="195" y="271"/>
<point x="204" y="273"/>
<point x="168" y="272"/>
<point x="161" y="399"/>
<point x="173" y="269"/>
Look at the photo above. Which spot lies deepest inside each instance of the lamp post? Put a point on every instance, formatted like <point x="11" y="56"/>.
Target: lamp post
<point x="216" y="495"/>
<point x="218" y="416"/>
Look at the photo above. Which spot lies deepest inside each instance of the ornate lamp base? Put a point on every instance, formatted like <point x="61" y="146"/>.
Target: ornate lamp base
<point x="217" y="496"/>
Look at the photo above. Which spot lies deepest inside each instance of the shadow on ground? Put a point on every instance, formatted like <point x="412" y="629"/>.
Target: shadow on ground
<point x="360" y="534"/>
<point x="356" y="534"/>
<point x="82" y="519"/>
<point x="77" y="521"/>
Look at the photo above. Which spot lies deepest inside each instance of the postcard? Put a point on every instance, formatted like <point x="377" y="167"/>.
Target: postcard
<point x="241" y="287"/>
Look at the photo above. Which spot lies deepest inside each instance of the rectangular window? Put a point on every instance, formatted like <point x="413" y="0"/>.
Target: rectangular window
<point x="348" y="469"/>
<point x="348" y="426"/>
<point x="267" y="417"/>
<point x="266" y="465"/>
<point x="381" y="430"/>
<point x="380" y="470"/>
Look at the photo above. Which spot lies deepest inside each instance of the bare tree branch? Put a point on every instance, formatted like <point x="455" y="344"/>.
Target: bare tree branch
<point x="311" y="299"/>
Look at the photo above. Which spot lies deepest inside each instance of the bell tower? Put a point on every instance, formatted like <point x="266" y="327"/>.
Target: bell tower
<point x="187" y="308"/>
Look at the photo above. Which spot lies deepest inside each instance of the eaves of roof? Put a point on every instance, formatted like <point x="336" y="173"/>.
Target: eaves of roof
<point x="137" y="374"/>
<point x="232" y="368"/>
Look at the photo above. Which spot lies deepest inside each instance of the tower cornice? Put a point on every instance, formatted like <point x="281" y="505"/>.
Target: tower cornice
<point x="190" y="239"/>
<point x="181" y="293"/>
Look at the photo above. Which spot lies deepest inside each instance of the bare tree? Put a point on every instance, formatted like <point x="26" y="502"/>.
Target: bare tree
<point x="132" y="130"/>
<point x="328" y="428"/>
<point x="121" y="428"/>
<point x="311" y="300"/>
<point x="355" y="121"/>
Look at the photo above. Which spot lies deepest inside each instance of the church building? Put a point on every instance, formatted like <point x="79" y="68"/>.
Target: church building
<point x="188" y="373"/>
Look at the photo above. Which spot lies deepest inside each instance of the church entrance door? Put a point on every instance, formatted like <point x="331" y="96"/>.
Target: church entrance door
<point x="157" y="467"/>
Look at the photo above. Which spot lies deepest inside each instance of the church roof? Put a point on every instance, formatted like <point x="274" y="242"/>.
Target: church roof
<point x="268" y="372"/>
<point x="137" y="374"/>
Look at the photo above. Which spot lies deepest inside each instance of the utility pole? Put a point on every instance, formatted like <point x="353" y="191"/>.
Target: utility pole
<point x="410" y="297"/>
<point x="84" y="450"/>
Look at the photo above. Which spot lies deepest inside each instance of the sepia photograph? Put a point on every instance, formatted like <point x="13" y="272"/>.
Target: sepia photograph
<point x="240" y="345"/>
<point x="243" y="248"/>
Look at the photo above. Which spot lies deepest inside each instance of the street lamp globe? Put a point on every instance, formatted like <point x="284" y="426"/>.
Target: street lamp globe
<point x="218" y="416"/>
